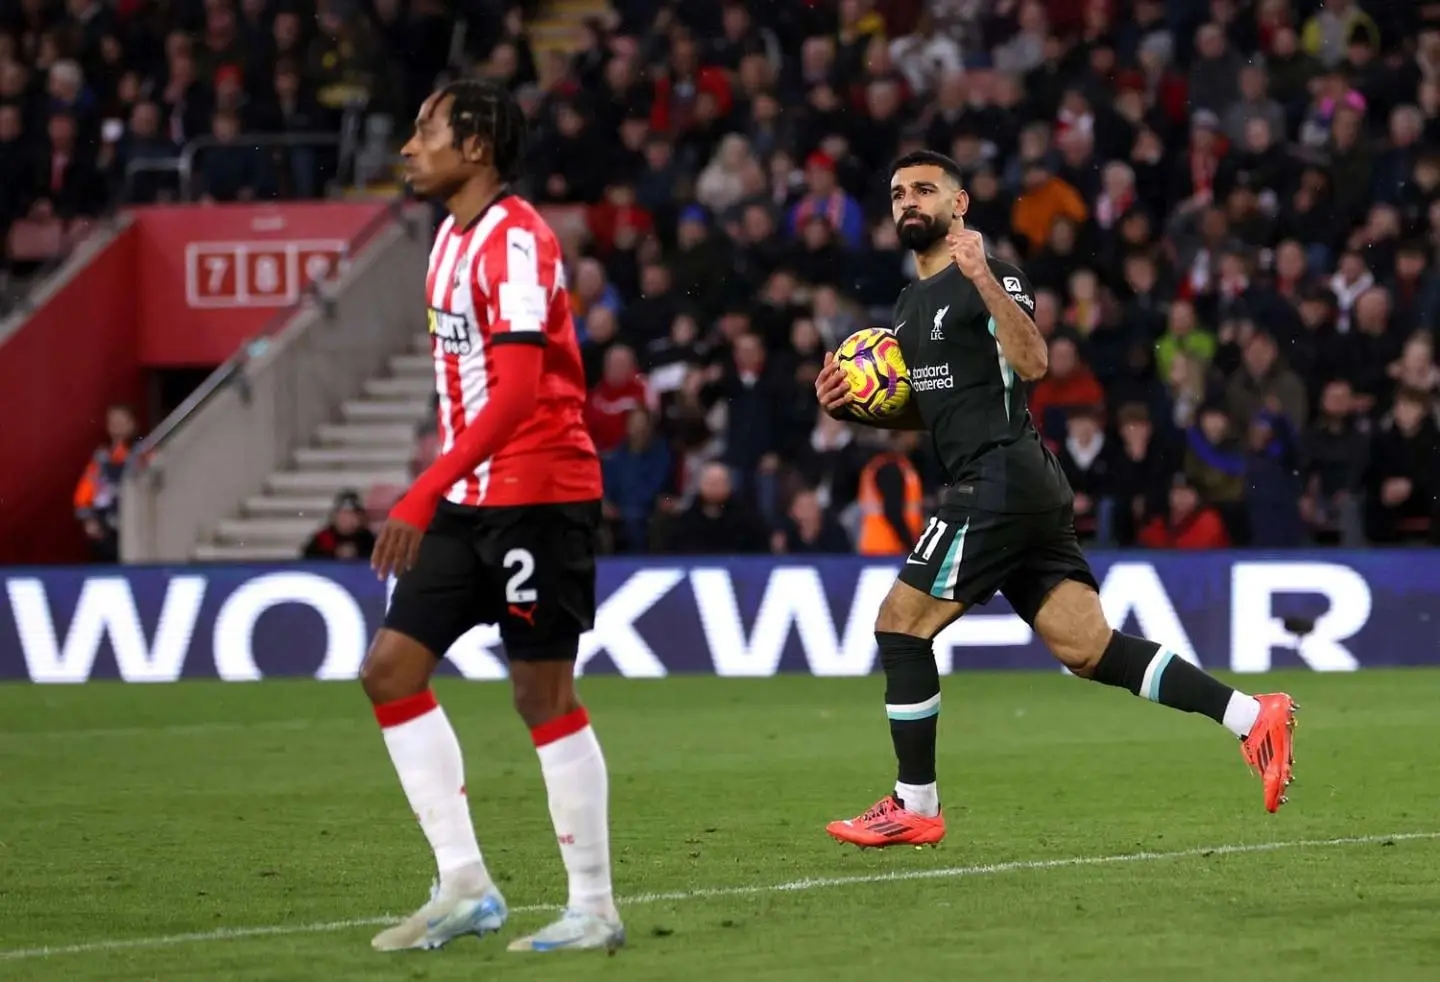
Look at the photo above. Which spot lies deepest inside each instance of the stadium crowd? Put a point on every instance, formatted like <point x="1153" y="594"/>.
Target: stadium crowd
<point x="1230" y="211"/>
<point x="98" y="98"/>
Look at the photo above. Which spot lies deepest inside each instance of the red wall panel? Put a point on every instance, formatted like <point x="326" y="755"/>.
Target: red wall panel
<point x="213" y="276"/>
<point x="76" y="355"/>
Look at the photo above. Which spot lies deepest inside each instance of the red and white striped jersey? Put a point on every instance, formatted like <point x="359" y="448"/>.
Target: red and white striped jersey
<point x="500" y="281"/>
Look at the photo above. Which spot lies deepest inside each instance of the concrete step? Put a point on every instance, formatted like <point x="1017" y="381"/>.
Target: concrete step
<point x="296" y="483"/>
<point x="351" y="458"/>
<point x="367" y="434"/>
<point x="312" y="507"/>
<point x="401" y="387"/>
<point x="291" y="533"/>
<point x="214" y="552"/>
<point x="411" y="411"/>
<point x="405" y="366"/>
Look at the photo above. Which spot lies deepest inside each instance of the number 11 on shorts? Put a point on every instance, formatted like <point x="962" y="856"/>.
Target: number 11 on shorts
<point x="929" y="539"/>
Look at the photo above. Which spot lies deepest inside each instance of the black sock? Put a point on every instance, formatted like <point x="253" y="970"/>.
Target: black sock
<point x="1162" y="676"/>
<point x="912" y="701"/>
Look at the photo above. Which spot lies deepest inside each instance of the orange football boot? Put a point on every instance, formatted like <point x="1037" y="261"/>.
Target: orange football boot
<point x="888" y="823"/>
<point x="1269" y="749"/>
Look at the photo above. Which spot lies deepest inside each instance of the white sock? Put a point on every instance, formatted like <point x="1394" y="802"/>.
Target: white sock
<point x="1241" y="712"/>
<point x="427" y="758"/>
<point x="922" y="799"/>
<point x="579" y="788"/>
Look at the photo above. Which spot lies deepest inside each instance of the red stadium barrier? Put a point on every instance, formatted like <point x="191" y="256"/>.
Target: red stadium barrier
<point x="58" y="372"/>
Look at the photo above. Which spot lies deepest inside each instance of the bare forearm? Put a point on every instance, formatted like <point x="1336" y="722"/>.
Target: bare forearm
<point x="1020" y="340"/>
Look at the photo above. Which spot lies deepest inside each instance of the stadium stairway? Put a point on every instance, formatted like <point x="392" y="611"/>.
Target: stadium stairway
<point x="368" y="447"/>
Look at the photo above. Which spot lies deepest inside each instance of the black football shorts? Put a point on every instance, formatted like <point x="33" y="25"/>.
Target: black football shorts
<point x="529" y="568"/>
<point x="969" y="555"/>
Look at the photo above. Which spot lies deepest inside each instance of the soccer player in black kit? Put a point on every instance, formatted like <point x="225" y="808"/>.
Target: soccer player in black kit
<point x="1005" y="519"/>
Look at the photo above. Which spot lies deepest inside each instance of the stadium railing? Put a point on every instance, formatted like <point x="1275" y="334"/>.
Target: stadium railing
<point x="18" y="299"/>
<point x="251" y="414"/>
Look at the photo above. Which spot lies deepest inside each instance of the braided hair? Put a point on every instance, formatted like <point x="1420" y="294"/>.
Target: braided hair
<point x="488" y="112"/>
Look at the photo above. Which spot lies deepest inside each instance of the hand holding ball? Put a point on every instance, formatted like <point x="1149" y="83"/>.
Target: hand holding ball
<point x="875" y="374"/>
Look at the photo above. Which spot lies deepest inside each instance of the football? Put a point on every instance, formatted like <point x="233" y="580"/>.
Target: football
<point x="875" y="369"/>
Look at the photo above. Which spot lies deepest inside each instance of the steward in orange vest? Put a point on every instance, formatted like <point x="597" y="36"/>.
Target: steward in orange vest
<point x="891" y="505"/>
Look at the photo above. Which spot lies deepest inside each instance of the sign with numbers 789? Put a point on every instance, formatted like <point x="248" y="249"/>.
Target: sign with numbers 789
<point x="258" y="273"/>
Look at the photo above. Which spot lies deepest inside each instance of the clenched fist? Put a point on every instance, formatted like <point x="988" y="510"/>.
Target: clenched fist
<point x="967" y="249"/>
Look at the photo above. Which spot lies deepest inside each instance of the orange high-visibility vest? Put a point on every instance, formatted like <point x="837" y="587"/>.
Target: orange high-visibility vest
<point x="877" y="537"/>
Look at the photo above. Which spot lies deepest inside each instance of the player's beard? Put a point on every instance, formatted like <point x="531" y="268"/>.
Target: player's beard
<point x="922" y="235"/>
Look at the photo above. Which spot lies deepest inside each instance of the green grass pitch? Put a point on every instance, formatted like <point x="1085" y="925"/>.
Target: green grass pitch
<point x="256" y="832"/>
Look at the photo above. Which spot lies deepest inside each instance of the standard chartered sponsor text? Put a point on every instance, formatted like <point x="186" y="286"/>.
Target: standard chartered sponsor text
<point x="927" y="377"/>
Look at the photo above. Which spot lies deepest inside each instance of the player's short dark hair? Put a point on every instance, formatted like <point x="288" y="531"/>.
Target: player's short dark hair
<point x="486" y="110"/>
<point x="929" y="158"/>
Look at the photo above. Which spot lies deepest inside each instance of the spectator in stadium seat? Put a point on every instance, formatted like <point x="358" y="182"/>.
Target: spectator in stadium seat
<point x="824" y="197"/>
<point x="818" y="257"/>
<point x="1414" y="288"/>
<point x="718" y="522"/>
<point x="1317" y="350"/>
<point x="289" y="107"/>
<point x="721" y="184"/>
<point x="1327" y="32"/>
<point x="1273" y="486"/>
<point x="1263" y="376"/>
<point x="650" y="315"/>
<point x="568" y="158"/>
<point x="1253" y="104"/>
<point x="97" y="495"/>
<point x="346" y="536"/>
<point x="679" y="86"/>
<point x="1366" y="352"/>
<point x="1415" y="369"/>
<point x="1087" y="458"/>
<point x="1350" y="166"/>
<point x="925" y="55"/>
<point x="1334" y="455"/>
<point x="233" y="170"/>
<point x="1395" y="164"/>
<point x="143" y="141"/>
<point x="1141" y="472"/>
<point x="1187" y="524"/>
<point x="808" y="530"/>
<point x="1215" y="467"/>
<point x="1049" y="268"/>
<point x="345" y="59"/>
<point x="589" y="291"/>
<point x="1402" y="482"/>
<point x="701" y="267"/>
<point x="618" y="222"/>
<point x="636" y="474"/>
<point x="1183" y="335"/>
<point x="756" y="404"/>
<point x="65" y="172"/>
<point x="187" y="101"/>
<point x="1043" y="200"/>
<point x="620" y="392"/>
<point x="1069" y="384"/>
<point x="15" y="164"/>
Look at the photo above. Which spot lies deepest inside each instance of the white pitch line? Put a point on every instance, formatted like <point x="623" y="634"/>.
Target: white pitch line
<point x="708" y="893"/>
